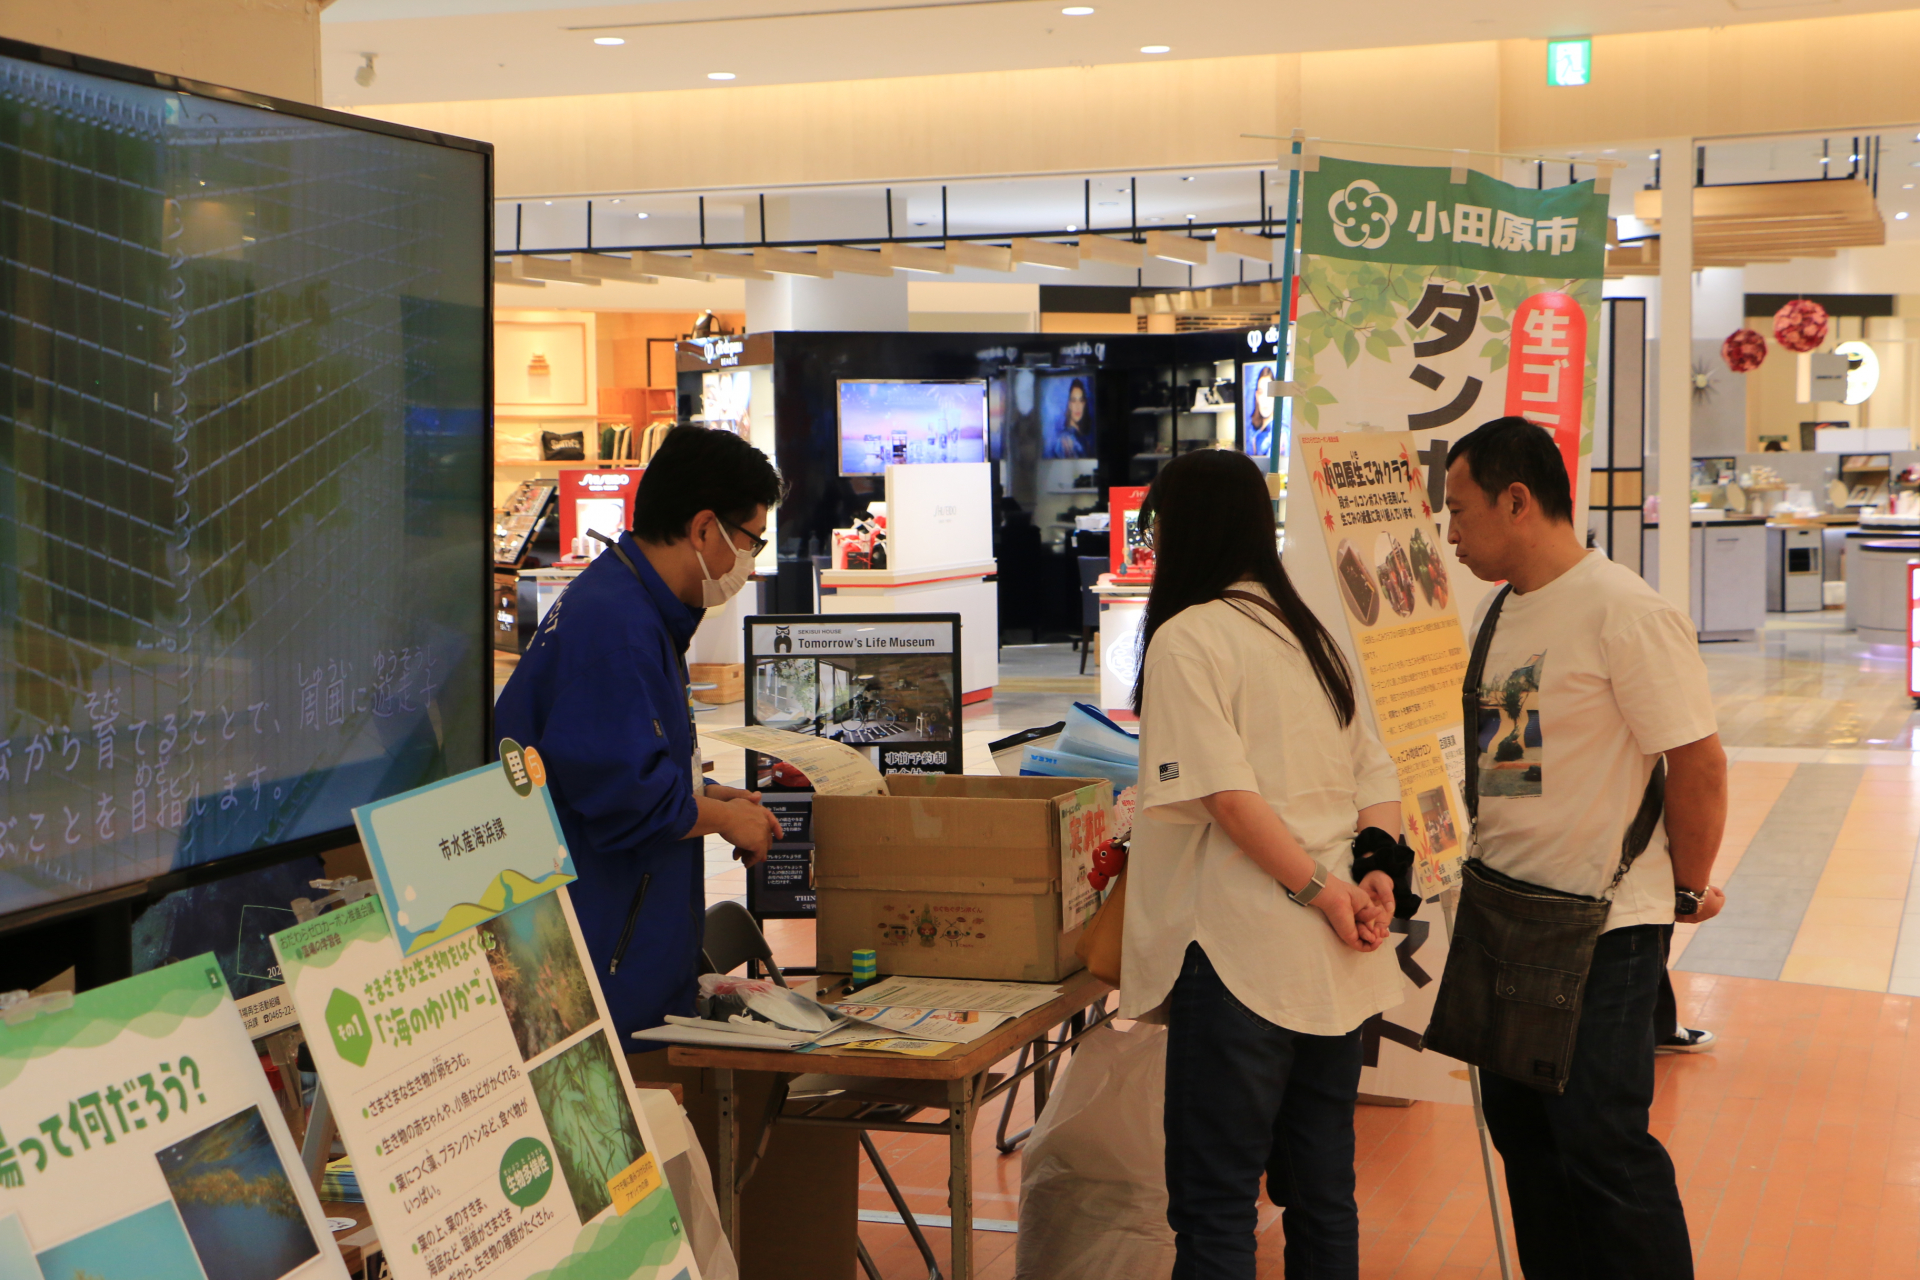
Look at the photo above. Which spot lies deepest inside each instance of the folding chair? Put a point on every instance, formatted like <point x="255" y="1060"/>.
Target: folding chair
<point x="732" y="938"/>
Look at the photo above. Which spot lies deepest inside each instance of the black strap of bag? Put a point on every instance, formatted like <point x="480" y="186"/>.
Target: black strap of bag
<point x="1639" y="832"/>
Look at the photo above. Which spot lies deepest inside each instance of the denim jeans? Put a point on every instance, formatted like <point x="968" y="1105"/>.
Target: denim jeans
<point x="1593" y="1192"/>
<point x="1246" y="1098"/>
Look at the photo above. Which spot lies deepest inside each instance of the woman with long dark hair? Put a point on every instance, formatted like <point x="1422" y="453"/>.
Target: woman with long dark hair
<point x="1241" y="928"/>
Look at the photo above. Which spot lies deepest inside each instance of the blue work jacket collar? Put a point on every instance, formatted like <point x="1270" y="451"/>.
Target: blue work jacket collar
<point x="680" y="617"/>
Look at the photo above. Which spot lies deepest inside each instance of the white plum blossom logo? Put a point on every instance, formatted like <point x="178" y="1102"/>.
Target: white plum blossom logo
<point x="1362" y="214"/>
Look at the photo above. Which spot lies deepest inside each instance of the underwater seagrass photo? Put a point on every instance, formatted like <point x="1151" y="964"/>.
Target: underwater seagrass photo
<point x="234" y="1197"/>
<point x="582" y="1094"/>
<point x="536" y="969"/>
<point x="148" y="1245"/>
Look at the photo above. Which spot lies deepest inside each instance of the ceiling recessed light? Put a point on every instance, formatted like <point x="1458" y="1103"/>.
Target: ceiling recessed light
<point x="546" y="202"/>
<point x="1900" y="217"/>
<point x="608" y="40"/>
<point x="1078" y="11"/>
<point x="639" y="215"/>
<point x="719" y="75"/>
<point x="1156" y="48"/>
<point x="615" y="200"/>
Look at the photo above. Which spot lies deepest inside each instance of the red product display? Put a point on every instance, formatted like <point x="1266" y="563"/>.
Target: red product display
<point x="1744" y="350"/>
<point x="1913" y="631"/>
<point x="594" y="498"/>
<point x="1801" y="325"/>
<point x="1131" y="554"/>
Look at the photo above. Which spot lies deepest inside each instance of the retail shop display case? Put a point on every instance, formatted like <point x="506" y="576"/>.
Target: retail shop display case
<point x="1069" y="416"/>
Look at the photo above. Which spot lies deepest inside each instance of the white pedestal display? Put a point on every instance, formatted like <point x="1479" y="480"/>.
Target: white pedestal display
<point x="968" y="590"/>
<point x="1122" y="610"/>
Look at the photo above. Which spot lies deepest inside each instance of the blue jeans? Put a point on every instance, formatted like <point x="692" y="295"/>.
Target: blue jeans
<point x="1246" y="1098"/>
<point x="1593" y="1192"/>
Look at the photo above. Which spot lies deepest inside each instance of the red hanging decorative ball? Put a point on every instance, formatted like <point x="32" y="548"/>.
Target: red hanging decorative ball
<point x="1801" y="325"/>
<point x="1744" y="350"/>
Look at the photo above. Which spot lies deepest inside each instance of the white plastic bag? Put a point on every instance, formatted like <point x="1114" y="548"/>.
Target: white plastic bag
<point x="1093" y="1192"/>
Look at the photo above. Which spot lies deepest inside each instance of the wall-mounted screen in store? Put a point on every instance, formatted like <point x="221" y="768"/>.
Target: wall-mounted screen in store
<point x="888" y="422"/>
<point x="244" y="491"/>
<point x="726" y="401"/>
<point x="1261" y="413"/>
<point x="1066" y="415"/>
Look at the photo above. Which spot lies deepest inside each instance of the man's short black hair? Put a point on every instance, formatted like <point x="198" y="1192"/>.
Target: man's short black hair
<point x="701" y="469"/>
<point x="1510" y="451"/>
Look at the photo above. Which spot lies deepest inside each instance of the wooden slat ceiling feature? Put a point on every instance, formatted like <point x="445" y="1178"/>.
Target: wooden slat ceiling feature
<point x="1260" y="300"/>
<point x="1762" y="222"/>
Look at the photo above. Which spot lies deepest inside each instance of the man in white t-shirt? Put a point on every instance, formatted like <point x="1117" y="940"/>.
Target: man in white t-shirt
<point x="1591" y="678"/>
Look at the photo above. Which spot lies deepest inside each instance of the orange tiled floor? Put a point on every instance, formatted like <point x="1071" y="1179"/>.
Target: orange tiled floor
<point x="1797" y="1143"/>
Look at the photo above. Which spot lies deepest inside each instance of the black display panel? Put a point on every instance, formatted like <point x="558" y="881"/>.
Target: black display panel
<point x="245" y="526"/>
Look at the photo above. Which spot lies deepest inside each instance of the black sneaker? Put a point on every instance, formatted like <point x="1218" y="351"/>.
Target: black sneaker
<point x="1686" y="1040"/>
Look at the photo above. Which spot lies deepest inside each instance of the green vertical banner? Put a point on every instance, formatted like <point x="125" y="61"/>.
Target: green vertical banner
<point x="1432" y="306"/>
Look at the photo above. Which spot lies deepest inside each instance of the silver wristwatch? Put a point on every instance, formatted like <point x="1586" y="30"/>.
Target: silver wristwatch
<point x="1311" y="889"/>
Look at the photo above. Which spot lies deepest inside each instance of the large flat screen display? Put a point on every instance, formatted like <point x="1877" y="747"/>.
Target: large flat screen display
<point x="244" y="481"/>
<point x="888" y="422"/>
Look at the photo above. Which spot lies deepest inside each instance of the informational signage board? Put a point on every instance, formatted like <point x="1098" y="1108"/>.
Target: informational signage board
<point x="481" y="1095"/>
<point x="459" y="851"/>
<point x="140" y="1140"/>
<point x="887" y="685"/>
<point x="1432" y="301"/>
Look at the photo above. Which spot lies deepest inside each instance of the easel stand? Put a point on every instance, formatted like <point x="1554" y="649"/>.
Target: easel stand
<point x="316" y="1145"/>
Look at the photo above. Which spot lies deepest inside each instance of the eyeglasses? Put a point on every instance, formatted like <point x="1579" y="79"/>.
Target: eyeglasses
<point x="758" y="544"/>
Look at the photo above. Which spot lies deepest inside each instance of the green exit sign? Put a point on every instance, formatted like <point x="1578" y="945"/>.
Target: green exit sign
<point x="1569" y="63"/>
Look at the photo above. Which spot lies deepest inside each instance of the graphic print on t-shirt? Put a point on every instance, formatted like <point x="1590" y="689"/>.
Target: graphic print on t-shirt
<point x="1509" y="731"/>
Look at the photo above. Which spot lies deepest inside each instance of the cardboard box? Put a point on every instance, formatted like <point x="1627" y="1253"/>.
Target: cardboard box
<point x="728" y="679"/>
<point x="954" y="876"/>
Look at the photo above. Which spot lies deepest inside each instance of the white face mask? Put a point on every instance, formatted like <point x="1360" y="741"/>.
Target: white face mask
<point x="715" y="592"/>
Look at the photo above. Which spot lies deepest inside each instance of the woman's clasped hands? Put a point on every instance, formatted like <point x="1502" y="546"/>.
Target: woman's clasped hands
<point x="1361" y="914"/>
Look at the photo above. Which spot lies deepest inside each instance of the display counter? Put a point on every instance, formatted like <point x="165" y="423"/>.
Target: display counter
<point x="1123" y="608"/>
<point x="970" y="590"/>
<point x="1728" y="556"/>
<point x="1794" y="576"/>
<point x="1877" y="585"/>
<point x="538" y="589"/>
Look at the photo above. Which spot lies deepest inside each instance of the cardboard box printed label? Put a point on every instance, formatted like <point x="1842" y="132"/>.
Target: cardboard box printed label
<point x="955" y="924"/>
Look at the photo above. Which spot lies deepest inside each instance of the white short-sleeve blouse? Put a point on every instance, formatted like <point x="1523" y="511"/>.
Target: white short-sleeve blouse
<point x="1232" y="704"/>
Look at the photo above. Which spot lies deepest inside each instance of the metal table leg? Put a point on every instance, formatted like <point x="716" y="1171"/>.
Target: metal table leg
<point x="962" y="1100"/>
<point x="726" y="1178"/>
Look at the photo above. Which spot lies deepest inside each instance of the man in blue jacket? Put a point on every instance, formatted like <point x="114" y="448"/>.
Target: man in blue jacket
<point x="602" y="693"/>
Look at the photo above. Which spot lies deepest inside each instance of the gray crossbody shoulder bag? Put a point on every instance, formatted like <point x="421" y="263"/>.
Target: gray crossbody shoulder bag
<point x="1509" y="999"/>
